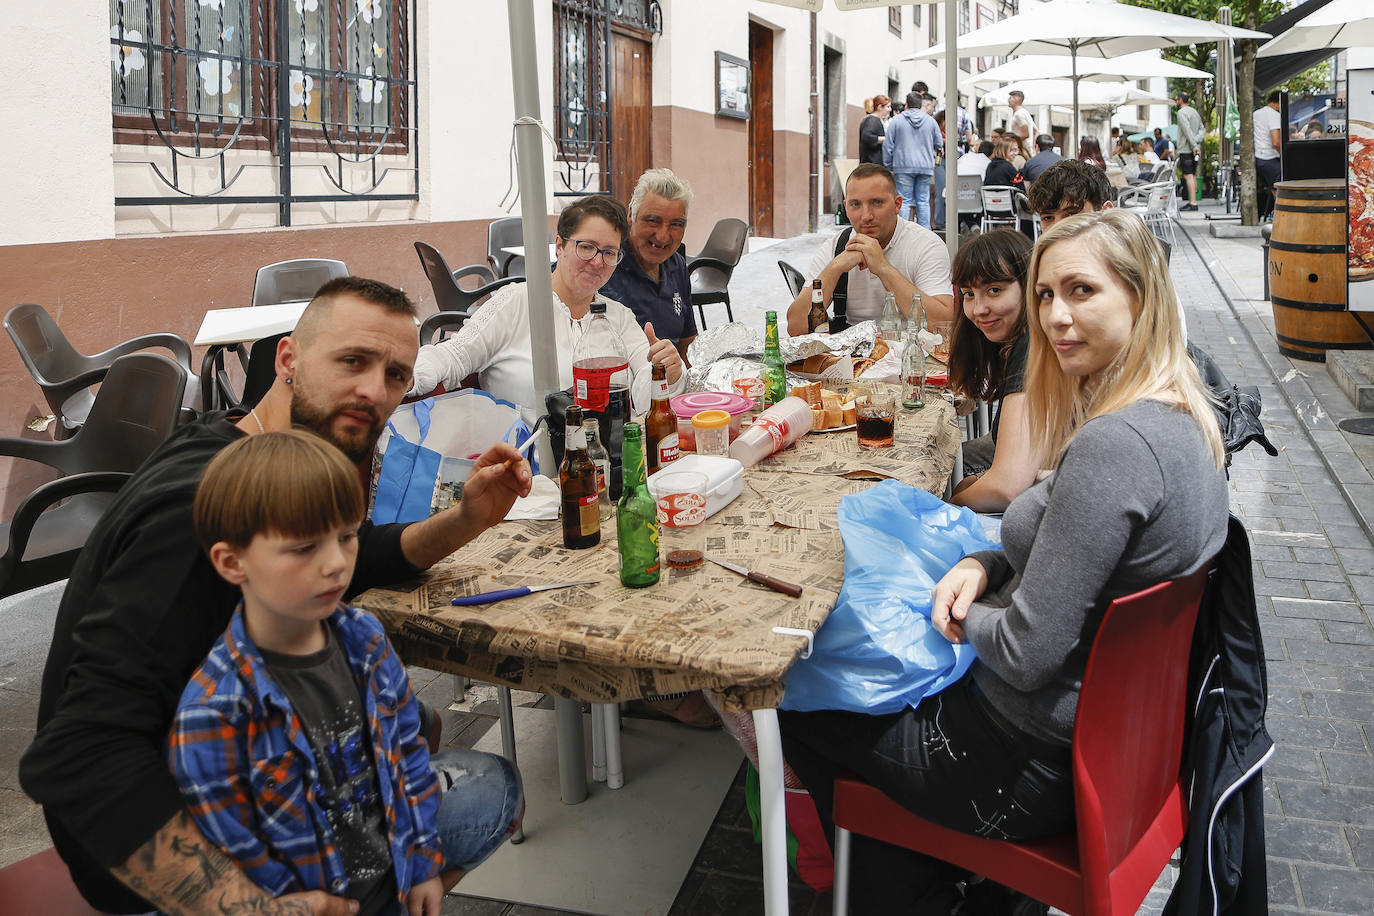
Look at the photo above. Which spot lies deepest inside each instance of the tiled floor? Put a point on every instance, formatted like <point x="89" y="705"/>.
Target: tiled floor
<point x="1307" y="510"/>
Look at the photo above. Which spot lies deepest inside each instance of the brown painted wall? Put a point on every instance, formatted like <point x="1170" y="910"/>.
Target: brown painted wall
<point x="853" y="117"/>
<point x="712" y="154"/>
<point x="791" y="172"/>
<point x="107" y="291"/>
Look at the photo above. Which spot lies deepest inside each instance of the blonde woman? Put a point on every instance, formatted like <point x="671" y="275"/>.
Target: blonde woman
<point x="1136" y="496"/>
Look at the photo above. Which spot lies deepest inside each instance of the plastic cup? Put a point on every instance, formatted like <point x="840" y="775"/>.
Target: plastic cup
<point x="681" y="497"/>
<point x="941" y="349"/>
<point x="876" y="419"/>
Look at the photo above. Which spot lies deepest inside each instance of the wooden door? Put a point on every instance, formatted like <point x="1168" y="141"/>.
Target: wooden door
<point x="631" y="109"/>
<point x="761" y="129"/>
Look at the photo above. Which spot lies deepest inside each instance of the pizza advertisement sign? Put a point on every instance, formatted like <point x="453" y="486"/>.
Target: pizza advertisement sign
<point x="1360" y="187"/>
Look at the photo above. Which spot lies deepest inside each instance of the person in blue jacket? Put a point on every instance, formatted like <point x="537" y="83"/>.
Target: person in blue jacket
<point x="909" y="152"/>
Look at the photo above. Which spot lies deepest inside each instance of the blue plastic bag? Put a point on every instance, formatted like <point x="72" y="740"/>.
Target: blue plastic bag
<point x="420" y="435"/>
<point x="877" y="652"/>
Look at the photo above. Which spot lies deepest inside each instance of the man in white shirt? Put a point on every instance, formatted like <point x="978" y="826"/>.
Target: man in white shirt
<point x="1268" y="131"/>
<point x="883" y="254"/>
<point x="1022" y="124"/>
<point x="976" y="162"/>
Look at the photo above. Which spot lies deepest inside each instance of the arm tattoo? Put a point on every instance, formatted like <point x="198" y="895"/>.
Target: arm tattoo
<point x="183" y="874"/>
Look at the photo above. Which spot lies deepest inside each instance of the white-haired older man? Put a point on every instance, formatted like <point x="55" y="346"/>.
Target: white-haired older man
<point x="652" y="281"/>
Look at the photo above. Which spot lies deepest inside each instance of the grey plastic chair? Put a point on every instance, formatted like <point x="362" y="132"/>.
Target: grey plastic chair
<point x="135" y="410"/>
<point x="794" y="278"/>
<point x="710" y="268"/>
<point x="507" y="233"/>
<point x="66" y="375"/>
<point x="295" y="280"/>
<point x="449" y="296"/>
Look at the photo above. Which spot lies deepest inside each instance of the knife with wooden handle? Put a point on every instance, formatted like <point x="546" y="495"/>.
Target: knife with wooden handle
<point x="777" y="585"/>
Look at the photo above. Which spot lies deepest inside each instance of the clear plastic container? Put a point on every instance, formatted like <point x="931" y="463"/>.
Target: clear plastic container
<point x="773" y="430"/>
<point x="711" y="429"/>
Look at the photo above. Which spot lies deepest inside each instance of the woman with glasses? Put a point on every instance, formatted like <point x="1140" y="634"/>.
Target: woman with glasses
<point x="495" y="342"/>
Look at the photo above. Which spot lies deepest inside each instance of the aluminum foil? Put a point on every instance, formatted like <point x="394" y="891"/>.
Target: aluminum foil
<point x="722" y="354"/>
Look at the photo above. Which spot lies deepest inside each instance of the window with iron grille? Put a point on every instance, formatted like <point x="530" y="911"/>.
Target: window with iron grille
<point x="965" y="63"/>
<point x="215" y="79"/>
<point x="583" y="85"/>
<point x="934" y="32"/>
<point x="894" y="20"/>
<point x="916" y="15"/>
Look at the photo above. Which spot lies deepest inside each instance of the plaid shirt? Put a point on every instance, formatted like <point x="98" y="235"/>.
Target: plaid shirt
<point x="247" y="771"/>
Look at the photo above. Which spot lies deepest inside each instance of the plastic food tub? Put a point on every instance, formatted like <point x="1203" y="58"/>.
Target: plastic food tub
<point x="724" y="476"/>
<point x="685" y="406"/>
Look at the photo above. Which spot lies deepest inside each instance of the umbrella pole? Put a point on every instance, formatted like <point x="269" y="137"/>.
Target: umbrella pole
<point x="951" y="127"/>
<point x="1072" y="146"/>
<point x="534" y="217"/>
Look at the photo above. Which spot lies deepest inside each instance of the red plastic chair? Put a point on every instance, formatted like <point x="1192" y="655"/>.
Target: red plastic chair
<point x="41" y="884"/>
<point x="1127" y="747"/>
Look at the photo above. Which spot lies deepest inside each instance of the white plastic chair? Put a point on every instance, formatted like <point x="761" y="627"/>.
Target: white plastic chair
<point x="1153" y="203"/>
<point x="999" y="207"/>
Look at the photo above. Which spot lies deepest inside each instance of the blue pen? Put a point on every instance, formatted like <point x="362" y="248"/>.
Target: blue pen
<point x="503" y="594"/>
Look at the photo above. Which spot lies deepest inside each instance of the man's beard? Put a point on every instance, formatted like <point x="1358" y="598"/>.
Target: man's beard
<point x="357" y="447"/>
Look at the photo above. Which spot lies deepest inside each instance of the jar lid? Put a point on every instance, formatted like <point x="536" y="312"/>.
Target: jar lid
<point x="689" y="405"/>
<point x="710" y="419"/>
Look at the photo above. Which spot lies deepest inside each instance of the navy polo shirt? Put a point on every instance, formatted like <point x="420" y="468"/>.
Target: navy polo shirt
<point x="667" y="302"/>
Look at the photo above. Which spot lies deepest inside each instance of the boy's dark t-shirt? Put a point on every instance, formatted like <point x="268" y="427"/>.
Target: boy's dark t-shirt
<point x="325" y="697"/>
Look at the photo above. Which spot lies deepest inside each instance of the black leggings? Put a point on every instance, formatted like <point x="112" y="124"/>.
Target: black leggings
<point x="952" y="760"/>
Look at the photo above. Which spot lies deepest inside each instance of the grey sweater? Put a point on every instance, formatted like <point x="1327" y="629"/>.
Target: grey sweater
<point x="1136" y="500"/>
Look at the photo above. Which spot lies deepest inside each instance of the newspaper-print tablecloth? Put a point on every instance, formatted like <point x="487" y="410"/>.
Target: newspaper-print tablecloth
<point x="706" y="628"/>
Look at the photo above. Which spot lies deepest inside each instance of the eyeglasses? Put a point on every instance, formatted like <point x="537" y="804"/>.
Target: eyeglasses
<point x="587" y="250"/>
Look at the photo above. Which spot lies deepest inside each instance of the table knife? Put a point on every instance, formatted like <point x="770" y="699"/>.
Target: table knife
<point x="777" y="585"/>
<point x="503" y="594"/>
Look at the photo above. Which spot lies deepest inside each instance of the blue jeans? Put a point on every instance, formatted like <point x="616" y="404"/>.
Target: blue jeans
<point x="482" y="804"/>
<point x="939" y="208"/>
<point x="915" y="190"/>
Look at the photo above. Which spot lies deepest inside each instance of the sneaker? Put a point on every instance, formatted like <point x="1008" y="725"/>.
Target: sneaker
<point x="1188" y="207"/>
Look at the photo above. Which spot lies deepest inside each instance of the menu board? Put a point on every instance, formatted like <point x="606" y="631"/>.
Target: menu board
<point x="1360" y="183"/>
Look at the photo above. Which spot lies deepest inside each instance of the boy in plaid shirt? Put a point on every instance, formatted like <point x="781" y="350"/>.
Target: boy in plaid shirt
<point x="297" y="743"/>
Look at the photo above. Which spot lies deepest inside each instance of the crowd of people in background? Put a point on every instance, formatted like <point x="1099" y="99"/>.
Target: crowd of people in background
<point x="908" y="137"/>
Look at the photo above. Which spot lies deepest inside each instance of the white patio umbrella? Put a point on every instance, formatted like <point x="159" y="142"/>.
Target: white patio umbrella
<point x="1339" y="24"/>
<point x="1087" y="28"/>
<point x="1139" y="66"/>
<point x="951" y="80"/>
<point x="1061" y="92"/>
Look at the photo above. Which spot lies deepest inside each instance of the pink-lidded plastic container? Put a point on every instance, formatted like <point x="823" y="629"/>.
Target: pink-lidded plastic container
<point x="686" y="406"/>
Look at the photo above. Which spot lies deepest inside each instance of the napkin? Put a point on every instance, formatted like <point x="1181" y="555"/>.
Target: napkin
<point x="541" y="503"/>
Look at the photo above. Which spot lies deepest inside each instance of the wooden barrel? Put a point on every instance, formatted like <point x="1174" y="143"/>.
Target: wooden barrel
<point x="1307" y="270"/>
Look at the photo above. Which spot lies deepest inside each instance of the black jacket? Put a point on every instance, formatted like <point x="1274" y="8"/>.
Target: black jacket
<point x="1223" y="869"/>
<point x="141" y="610"/>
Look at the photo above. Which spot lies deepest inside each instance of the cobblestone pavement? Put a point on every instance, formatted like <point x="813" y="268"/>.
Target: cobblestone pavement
<point x="1308" y="511"/>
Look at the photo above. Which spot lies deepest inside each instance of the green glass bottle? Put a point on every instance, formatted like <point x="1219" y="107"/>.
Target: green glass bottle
<point x="774" y="374"/>
<point x="636" y="516"/>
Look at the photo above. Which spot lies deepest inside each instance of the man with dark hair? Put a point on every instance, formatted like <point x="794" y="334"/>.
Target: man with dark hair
<point x="920" y="88"/>
<point x="1067" y="188"/>
<point x="1190" y="134"/>
<point x="1164" y="147"/>
<point x="144" y="605"/>
<point x="1021" y="123"/>
<point x="880" y="254"/>
<point x="909" y="151"/>
<point x="1036" y="165"/>
<point x="1268" y="125"/>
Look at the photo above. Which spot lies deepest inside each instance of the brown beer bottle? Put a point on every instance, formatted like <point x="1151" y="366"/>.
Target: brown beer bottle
<point x="577" y="481"/>
<point x="660" y="424"/>
<point x="817" y="321"/>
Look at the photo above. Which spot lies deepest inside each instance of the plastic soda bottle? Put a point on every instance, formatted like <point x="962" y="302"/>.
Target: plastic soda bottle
<point x="602" y="459"/>
<point x="774" y="374"/>
<point x="660" y="424"/>
<point x="914" y="358"/>
<point x="600" y="362"/>
<point x="577" y="484"/>
<point x="636" y="517"/>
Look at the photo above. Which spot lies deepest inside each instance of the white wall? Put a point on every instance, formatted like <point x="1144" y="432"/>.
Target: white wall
<point x="55" y="105"/>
